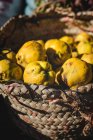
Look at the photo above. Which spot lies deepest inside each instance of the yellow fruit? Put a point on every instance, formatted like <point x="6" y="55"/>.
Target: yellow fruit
<point x="58" y="78"/>
<point x="16" y="72"/>
<point x="75" y="72"/>
<point x="41" y="42"/>
<point x="4" y="70"/>
<point x="88" y="58"/>
<point x="9" y="54"/>
<point x="74" y="54"/>
<point x="31" y="51"/>
<point x="56" y="72"/>
<point x="83" y="36"/>
<point x="84" y="47"/>
<point x="9" y="71"/>
<point x="39" y="72"/>
<point x="57" y="51"/>
<point x="69" y="40"/>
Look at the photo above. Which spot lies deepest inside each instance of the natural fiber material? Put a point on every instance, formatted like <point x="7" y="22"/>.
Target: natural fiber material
<point x="21" y="29"/>
<point x="52" y="112"/>
<point x="48" y="112"/>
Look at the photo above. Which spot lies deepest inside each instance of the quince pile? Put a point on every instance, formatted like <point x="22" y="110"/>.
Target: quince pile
<point x="68" y="60"/>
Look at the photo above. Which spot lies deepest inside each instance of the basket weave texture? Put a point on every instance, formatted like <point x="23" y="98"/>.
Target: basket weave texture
<point x="48" y="112"/>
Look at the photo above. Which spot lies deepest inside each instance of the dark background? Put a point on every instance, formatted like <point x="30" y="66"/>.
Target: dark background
<point x="7" y="128"/>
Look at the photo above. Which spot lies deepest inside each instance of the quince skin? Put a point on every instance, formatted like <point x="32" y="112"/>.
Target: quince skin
<point x="39" y="72"/>
<point x="9" y="54"/>
<point x="41" y="42"/>
<point x="84" y="47"/>
<point x="57" y="51"/>
<point x="88" y="58"/>
<point x="68" y="39"/>
<point x="83" y="36"/>
<point x="75" y="72"/>
<point x="31" y="51"/>
<point x="9" y="70"/>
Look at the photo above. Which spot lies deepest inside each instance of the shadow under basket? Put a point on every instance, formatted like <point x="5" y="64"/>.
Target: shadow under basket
<point x="40" y="111"/>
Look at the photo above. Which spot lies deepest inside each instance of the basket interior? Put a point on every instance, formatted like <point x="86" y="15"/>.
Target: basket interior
<point x="20" y="29"/>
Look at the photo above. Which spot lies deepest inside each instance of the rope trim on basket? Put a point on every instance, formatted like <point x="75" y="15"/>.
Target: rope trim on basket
<point x="16" y="99"/>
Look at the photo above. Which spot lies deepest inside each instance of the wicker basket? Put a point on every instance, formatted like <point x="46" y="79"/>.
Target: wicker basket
<point x="48" y="112"/>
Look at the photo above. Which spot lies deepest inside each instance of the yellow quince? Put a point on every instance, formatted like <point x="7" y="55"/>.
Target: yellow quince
<point x="84" y="47"/>
<point x="30" y="51"/>
<point x="41" y="42"/>
<point x="39" y="72"/>
<point x="74" y="54"/>
<point x="88" y="58"/>
<point x="75" y="72"/>
<point x="69" y="40"/>
<point x="9" y="54"/>
<point x="83" y="36"/>
<point x="9" y="70"/>
<point x="57" y="51"/>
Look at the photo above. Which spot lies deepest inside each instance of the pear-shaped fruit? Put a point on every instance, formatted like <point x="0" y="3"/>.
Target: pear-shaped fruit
<point x="31" y="51"/>
<point x="9" y="70"/>
<point x="84" y="47"/>
<point x="16" y="72"/>
<point x="57" y="51"/>
<point x="9" y="54"/>
<point x="67" y="39"/>
<point x="41" y="42"/>
<point x="75" y="72"/>
<point x="83" y="36"/>
<point x="88" y="58"/>
<point x="39" y="72"/>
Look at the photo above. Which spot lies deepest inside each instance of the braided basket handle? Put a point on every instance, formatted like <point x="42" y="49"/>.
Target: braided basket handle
<point x="68" y="15"/>
<point x="55" y="7"/>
